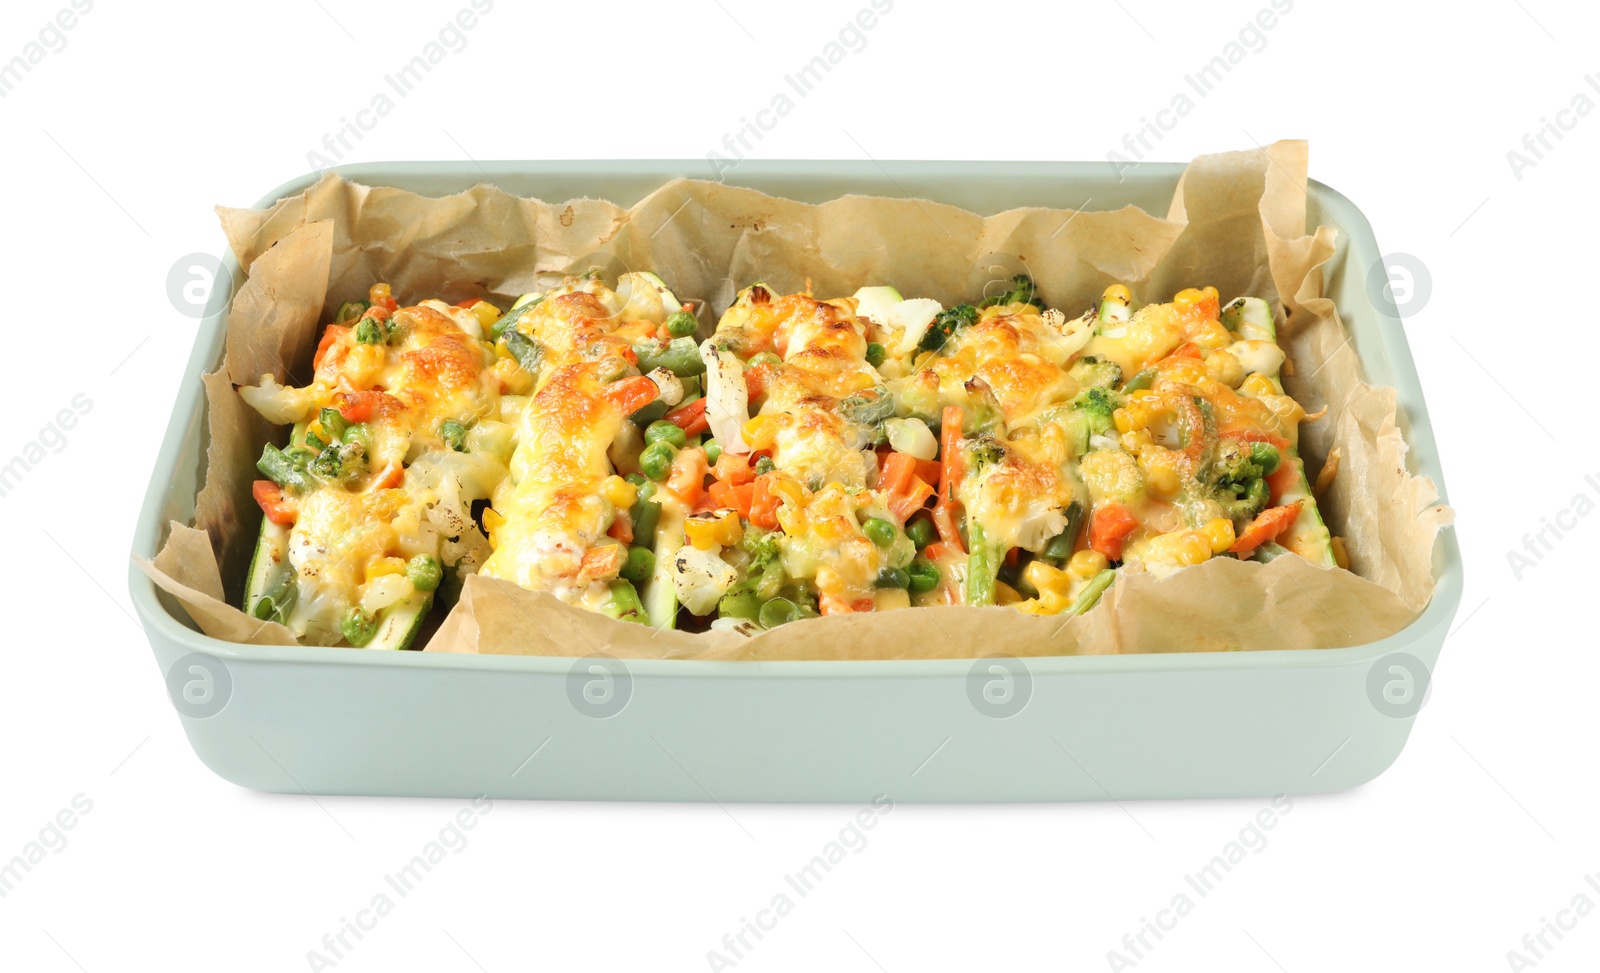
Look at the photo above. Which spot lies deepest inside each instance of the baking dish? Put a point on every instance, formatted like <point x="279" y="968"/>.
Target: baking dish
<point x="303" y="719"/>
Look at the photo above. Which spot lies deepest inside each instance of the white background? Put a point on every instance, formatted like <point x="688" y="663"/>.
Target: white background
<point x="116" y="147"/>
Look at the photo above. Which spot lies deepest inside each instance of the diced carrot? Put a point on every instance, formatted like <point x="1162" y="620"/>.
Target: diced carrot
<point x="755" y="381"/>
<point x="469" y="302"/>
<point x="705" y="505"/>
<point x="362" y="406"/>
<point x="278" y="509"/>
<point x="687" y="479"/>
<point x="911" y="499"/>
<point x="722" y="493"/>
<point x="733" y="468"/>
<point x="622" y="527"/>
<point x="389" y="477"/>
<point x="330" y="337"/>
<point x="763" y="503"/>
<point x="1266" y="527"/>
<point x="1109" y="526"/>
<point x="863" y="605"/>
<point x="1284" y="479"/>
<point x="601" y="562"/>
<point x="1186" y="350"/>
<point x="935" y="551"/>
<point x="631" y="394"/>
<point x="898" y="469"/>
<point x="691" y="418"/>
<point x="928" y="469"/>
<point x="1256" y="436"/>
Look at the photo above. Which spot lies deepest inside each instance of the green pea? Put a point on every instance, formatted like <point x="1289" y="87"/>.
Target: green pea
<point x="656" y="460"/>
<point x="893" y="578"/>
<point x="662" y="431"/>
<point x="921" y="531"/>
<point x="765" y="465"/>
<point x="681" y="324"/>
<point x="639" y="566"/>
<point x="881" y="532"/>
<point x="713" y="450"/>
<point x="1266" y="456"/>
<point x="424" y="572"/>
<point x="637" y="479"/>
<point x="763" y="358"/>
<point x="876" y="353"/>
<point x="454" y="435"/>
<point x="923" y="575"/>
<point x="357" y="627"/>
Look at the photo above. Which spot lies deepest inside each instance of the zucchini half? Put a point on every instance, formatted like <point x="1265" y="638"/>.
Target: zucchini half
<point x="1308" y="536"/>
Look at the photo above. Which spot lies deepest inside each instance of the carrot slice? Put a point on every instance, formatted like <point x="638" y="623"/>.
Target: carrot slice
<point x="631" y="394"/>
<point x="279" y="510"/>
<point x="1109" y="526"/>
<point x="1267" y="526"/>
<point x="763" y="503"/>
<point x="691" y="418"/>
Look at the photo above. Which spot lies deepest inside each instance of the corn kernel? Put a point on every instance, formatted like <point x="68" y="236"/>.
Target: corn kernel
<point x="1118" y="292"/>
<point x="1045" y="578"/>
<point x="1220" y="533"/>
<point x="1086" y="564"/>
<point x="378" y="293"/>
<point x="1160" y="475"/>
<point x="1004" y="594"/>
<point x="620" y="492"/>
<point x="760" y="432"/>
<point x="1188" y="296"/>
<point x="1193" y="547"/>
<point x="720" y="528"/>
<point x="486" y="313"/>
<point x="1258" y="385"/>
<point x="378" y="567"/>
<point x="1123" y="420"/>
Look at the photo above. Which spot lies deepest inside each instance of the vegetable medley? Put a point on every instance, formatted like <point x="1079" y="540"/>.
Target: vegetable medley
<point x="806" y="457"/>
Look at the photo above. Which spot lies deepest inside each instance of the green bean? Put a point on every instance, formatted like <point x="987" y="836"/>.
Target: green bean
<point x="681" y="324"/>
<point x="624" y="602"/>
<point x="525" y="350"/>
<point x="680" y="356"/>
<point x="641" y="564"/>
<point x="739" y="604"/>
<point x="781" y="611"/>
<point x="646" y="514"/>
<point x="424" y="572"/>
<point x="893" y="578"/>
<point x="511" y="317"/>
<point x="1143" y="380"/>
<point x="1090" y="595"/>
<point x="350" y="311"/>
<point x="280" y="469"/>
<point x="1061" y="545"/>
<point x="982" y="567"/>
<point x="370" y="332"/>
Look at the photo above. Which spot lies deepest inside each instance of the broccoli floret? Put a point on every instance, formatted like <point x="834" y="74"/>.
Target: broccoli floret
<point x="1021" y="292"/>
<point x="1097" y="405"/>
<point x="339" y="462"/>
<point x="946" y="324"/>
<point x="1240" y="471"/>
<point x="761" y="545"/>
<point x="982" y="452"/>
<point x="1093" y="371"/>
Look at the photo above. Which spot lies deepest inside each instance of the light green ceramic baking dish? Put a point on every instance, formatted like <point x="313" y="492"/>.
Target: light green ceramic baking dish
<point x="331" y="721"/>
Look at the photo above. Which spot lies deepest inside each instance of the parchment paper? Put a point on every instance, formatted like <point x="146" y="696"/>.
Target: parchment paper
<point x="1237" y="222"/>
